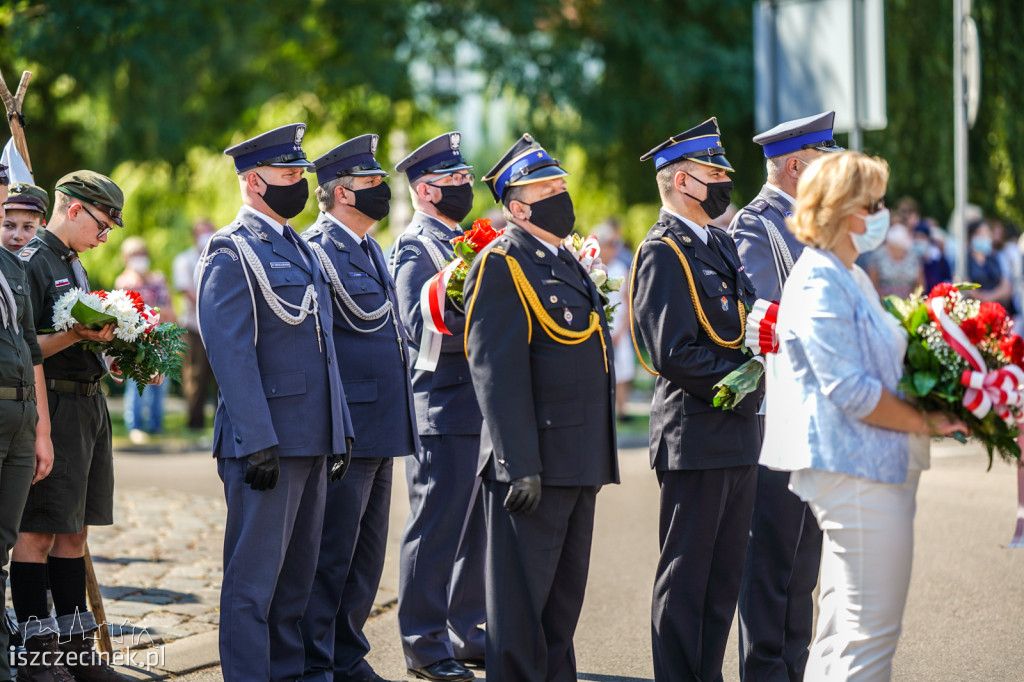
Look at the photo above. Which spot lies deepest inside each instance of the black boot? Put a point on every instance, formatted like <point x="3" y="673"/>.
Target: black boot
<point x="39" y="661"/>
<point x="86" y="664"/>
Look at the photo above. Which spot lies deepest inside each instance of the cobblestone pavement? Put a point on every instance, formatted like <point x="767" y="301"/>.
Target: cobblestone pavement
<point x="159" y="566"/>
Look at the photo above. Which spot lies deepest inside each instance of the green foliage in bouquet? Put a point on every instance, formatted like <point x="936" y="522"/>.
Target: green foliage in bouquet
<point x="158" y="351"/>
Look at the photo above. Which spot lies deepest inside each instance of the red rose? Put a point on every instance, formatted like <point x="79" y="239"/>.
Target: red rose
<point x="993" y="316"/>
<point x="974" y="329"/>
<point x="941" y="289"/>
<point x="1013" y="348"/>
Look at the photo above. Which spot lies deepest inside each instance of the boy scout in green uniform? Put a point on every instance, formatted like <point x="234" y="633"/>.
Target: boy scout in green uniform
<point x="24" y="213"/>
<point x="25" y="453"/>
<point x="79" y="491"/>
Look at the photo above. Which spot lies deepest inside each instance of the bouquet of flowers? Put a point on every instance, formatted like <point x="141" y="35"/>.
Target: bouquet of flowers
<point x="964" y="359"/>
<point x="466" y="246"/>
<point x="142" y="347"/>
<point x="588" y="252"/>
<point x="760" y="334"/>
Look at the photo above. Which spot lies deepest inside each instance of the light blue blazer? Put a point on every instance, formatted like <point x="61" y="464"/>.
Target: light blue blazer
<point x="837" y="351"/>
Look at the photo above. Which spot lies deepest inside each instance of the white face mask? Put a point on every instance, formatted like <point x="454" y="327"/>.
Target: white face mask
<point x="139" y="263"/>
<point x="876" y="226"/>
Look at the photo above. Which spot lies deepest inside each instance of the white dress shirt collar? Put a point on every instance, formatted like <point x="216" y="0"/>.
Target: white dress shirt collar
<point x="550" y="247"/>
<point x="345" y="227"/>
<point x="700" y="231"/>
<point x="782" y="194"/>
<point x="278" y="227"/>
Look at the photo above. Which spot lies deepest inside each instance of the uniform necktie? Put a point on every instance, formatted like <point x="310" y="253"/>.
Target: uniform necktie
<point x="290" y="235"/>
<point x="574" y="265"/>
<point x="364" y="244"/>
<point x="9" y="309"/>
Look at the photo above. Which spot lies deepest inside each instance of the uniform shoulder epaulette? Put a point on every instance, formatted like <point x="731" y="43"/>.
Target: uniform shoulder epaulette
<point x="312" y="233"/>
<point x="655" y="233"/>
<point x="230" y="228"/>
<point x="758" y="205"/>
<point x="26" y="253"/>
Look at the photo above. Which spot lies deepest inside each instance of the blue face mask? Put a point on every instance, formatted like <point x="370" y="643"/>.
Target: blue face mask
<point x="876" y="226"/>
<point x="982" y="245"/>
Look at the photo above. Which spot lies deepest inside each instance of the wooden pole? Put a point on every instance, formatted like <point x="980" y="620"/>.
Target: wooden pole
<point x="13" y="104"/>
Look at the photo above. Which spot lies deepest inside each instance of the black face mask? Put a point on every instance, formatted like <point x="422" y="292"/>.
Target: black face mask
<point x="286" y="201"/>
<point x="717" y="200"/>
<point x="554" y="214"/>
<point x="373" y="202"/>
<point x="456" y="201"/>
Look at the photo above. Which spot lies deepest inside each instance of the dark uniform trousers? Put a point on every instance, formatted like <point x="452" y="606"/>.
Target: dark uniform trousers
<point x="379" y="396"/>
<point x="441" y="603"/>
<point x="705" y="458"/>
<point x="548" y="410"/>
<point x="776" y="606"/>
<point x="279" y="385"/>
<point x="19" y="352"/>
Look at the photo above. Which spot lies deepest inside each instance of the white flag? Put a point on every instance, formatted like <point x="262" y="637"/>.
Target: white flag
<point x="17" y="169"/>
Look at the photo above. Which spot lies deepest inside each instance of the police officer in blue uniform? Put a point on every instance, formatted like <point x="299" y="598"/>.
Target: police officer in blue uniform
<point x="441" y="603"/>
<point x="775" y="604"/>
<point x="688" y="291"/>
<point x="540" y="353"/>
<point x="266" y="321"/>
<point x="370" y="338"/>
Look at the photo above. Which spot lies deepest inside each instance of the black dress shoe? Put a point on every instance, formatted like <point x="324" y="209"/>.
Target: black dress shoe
<point x="477" y="662"/>
<point x="448" y="669"/>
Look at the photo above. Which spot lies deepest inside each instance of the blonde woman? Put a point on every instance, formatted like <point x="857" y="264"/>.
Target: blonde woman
<point x="836" y="420"/>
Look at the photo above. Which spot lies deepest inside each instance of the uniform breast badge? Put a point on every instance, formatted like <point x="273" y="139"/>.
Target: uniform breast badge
<point x="567" y="315"/>
<point x="725" y="303"/>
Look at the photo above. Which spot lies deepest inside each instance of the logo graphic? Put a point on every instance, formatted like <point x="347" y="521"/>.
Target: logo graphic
<point x="454" y="139"/>
<point x="300" y="131"/>
<point x="373" y="143"/>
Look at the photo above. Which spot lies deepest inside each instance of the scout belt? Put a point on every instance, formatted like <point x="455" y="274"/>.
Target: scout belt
<point x="86" y="388"/>
<point x="19" y="393"/>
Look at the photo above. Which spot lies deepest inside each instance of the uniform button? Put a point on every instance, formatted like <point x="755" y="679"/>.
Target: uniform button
<point x="547" y="422"/>
<point x="460" y="377"/>
<point x="273" y="390"/>
<point x="552" y="298"/>
<point x="501" y="462"/>
<point x="19" y="287"/>
<point x="238" y="439"/>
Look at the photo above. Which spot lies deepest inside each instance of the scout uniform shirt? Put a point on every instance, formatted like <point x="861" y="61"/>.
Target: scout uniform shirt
<point x="50" y="275"/>
<point x="19" y="350"/>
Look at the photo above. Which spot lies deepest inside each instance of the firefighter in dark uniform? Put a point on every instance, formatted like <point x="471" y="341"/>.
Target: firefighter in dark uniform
<point x="27" y="454"/>
<point x="78" y="493"/>
<point x="688" y="292"/>
<point x="541" y="358"/>
<point x="776" y="609"/>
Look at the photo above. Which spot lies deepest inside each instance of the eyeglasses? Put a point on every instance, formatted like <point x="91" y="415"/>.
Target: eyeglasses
<point x="876" y="205"/>
<point x="104" y="229"/>
<point x="458" y="178"/>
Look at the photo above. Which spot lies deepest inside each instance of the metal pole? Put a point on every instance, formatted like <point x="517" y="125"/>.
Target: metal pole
<point x="959" y="143"/>
<point x="856" y="140"/>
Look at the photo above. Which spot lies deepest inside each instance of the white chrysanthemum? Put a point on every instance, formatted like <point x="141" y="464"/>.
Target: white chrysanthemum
<point x="62" y="319"/>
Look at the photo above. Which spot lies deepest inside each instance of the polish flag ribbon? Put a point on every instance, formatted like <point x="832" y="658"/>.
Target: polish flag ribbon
<point x="760" y="329"/>
<point x="433" y="299"/>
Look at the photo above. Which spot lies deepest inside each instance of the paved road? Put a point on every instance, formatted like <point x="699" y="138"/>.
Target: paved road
<point x="964" y="614"/>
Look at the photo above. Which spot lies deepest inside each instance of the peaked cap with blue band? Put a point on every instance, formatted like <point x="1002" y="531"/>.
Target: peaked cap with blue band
<point x="811" y="132"/>
<point x="526" y="162"/>
<point x="280" y="147"/>
<point x="440" y="156"/>
<point x="353" y="157"/>
<point x="702" y="144"/>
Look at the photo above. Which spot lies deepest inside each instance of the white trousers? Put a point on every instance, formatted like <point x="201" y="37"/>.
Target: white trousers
<point x="866" y="557"/>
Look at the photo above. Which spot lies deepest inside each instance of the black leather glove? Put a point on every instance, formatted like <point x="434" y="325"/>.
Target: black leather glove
<point x="264" y="469"/>
<point x="523" y="495"/>
<point x="340" y="463"/>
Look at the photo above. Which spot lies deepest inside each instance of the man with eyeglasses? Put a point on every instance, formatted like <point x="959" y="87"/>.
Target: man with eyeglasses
<point x="441" y="602"/>
<point x="353" y="196"/>
<point x="781" y="569"/>
<point x="78" y="493"/>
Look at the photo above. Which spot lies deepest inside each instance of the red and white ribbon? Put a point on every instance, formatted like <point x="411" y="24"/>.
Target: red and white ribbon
<point x="999" y="390"/>
<point x="986" y="390"/>
<point x="433" y="299"/>
<point x="760" y="329"/>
